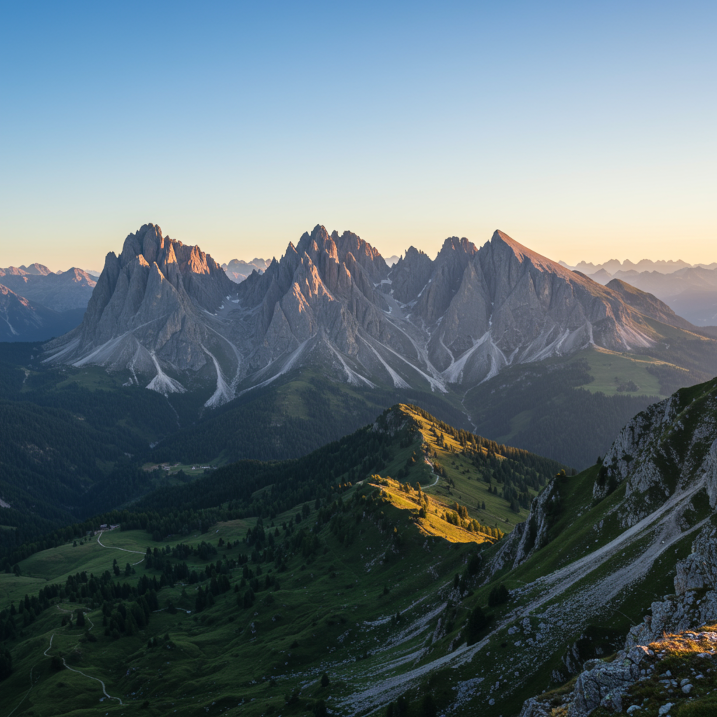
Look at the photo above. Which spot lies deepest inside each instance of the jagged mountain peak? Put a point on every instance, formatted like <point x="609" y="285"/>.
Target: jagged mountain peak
<point x="500" y="241"/>
<point x="462" y="246"/>
<point x="332" y="302"/>
<point x="149" y="313"/>
<point x="31" y="270"/>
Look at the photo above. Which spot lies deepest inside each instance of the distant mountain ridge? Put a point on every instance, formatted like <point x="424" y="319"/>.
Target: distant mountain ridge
<point x="24" y="320"/>
<point x="61" y="291"/>
<point x="691" y="292"/>
<point x="238" y="270"/>
<point x="169" y="315"/>
<point x="613" y="266"/>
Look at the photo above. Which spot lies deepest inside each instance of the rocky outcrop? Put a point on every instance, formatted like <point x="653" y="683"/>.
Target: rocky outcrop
<point x="606" y="683"/>
<point x="667" y="449"/>
<point x="686" y="608"/>
<point x="531" y="535"/>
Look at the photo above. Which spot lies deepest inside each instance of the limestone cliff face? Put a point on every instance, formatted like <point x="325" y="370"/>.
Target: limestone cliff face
<point x="666" y="450"/>
<point x="513" y="305"/>
<point x="161" y="309"/>
<point x="529" y="536"/>
<point x="147" y="312"/>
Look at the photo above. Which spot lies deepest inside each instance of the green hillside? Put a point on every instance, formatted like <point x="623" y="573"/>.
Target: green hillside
<point x="288" y="570"/>
<point x="570" y="409"/>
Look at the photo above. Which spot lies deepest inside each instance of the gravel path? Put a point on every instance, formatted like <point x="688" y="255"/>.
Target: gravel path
<point x="661" y="522"/>
<point x="124" y="550"/>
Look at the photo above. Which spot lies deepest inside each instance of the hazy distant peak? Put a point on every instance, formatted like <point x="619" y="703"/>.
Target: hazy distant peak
<point x="32" y="270"/>
<point x="37" y="269"/>
<point x="613" y="266"/>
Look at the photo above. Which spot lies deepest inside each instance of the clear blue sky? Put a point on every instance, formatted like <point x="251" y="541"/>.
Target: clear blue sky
<point x="584" y="130"/>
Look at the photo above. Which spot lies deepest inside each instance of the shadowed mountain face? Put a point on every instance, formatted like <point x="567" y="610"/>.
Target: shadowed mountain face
<point x="168" y="313"/>
<point x="64" y="291"/>
<point x="24" y="320"/>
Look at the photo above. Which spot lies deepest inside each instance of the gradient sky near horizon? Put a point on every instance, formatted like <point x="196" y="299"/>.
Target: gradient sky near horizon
<point x="583" y="130"/>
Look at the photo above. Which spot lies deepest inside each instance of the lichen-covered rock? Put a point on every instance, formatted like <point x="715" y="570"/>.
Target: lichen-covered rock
<point x="603" y="684"/>
<point x="686" y="608"/>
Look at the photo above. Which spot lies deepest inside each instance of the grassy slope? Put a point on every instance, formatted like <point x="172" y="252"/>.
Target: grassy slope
<point x="339" y="591"/>
<point x="225" y="654"/>
<point x="471" y="485"/>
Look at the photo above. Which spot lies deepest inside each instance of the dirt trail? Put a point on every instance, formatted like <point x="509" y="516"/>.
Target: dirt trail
<point x="72" y="669"/>
<point x="124" y="550"/>
<point x="96" y="679"/>
<point x="27" y="694"/>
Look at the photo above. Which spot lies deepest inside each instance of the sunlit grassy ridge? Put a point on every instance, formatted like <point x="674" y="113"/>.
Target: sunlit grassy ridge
<point x="352" y="582"/>
<point x="432" y="516"/>
<point x="473" y="473"/>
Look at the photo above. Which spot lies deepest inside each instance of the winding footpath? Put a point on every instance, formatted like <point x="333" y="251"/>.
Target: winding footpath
<point x="72" y="669"/>
<point x="124" y="550"/>
<point x="92" y="625"/>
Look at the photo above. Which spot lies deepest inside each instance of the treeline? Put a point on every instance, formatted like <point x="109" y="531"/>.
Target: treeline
<point x="62" y="441"/>
<point x="478" y="444"/>
<point x="247" y="488"/>
<point x="118" y="617"/>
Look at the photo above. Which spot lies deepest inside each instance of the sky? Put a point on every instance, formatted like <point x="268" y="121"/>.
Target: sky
<point x="584" y="130"/>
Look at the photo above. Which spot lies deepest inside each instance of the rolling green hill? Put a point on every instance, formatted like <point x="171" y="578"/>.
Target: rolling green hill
<point x="288" y="569"/>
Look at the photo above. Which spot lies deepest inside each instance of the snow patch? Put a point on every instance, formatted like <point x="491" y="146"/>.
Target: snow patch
<point x="352" y="377"/>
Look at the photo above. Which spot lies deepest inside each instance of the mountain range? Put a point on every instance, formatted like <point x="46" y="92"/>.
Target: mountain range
<point x="166" y="311"/>
<point x="691" y="291"/>
<point x="422" y="568"/>
<point x="238" y="270"/>
<point x="614" y="266"/>
<point x="462" y="334"/>
<point x="38" y="304"/>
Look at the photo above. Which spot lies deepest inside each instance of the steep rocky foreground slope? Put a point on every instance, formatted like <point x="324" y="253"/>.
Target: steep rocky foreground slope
<point x="169" y="316"/>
